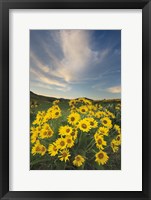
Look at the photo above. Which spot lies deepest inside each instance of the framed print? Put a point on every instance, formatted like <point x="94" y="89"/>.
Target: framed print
<point x="75" y="99"/>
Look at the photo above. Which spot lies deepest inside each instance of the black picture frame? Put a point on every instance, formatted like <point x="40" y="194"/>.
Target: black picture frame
<point x="5" y="5"/>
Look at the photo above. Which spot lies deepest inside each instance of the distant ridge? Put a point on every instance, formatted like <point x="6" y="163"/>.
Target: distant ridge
<point x="37" y="97"/>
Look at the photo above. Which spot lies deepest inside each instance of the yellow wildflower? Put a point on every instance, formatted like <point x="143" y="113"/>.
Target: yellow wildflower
<point x="100" y="142"/>
<point x="117" y="128"/>
<point x="73" y="118"/>
<point x="69" y="141"/>
<point x="103" y="131"/>
<point x="93" y="122"/>
<point x="101" y="157"/>
<point x="83" y="109"/>
<point x="106" y="122"/>
<point x="52" y="150"/>
<point x="65" y="130"/>
<point x="78" y="160"/>
<point x="38" y="148"/>
<point x="114" y="145"/>
<point x="84" y="125"/>
<point x="74" y="134"/>
<point x="61" y="143"/>
<point x="64" y="155"/>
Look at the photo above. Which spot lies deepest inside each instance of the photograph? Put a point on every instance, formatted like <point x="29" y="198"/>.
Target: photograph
<point x="75" y="99"/>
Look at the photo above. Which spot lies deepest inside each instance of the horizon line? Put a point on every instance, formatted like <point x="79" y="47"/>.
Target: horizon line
<point x="74" y="98"/>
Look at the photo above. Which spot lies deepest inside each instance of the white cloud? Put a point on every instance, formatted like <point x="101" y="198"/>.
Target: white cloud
<point x="38" y="63"/>
<point x="78" y="55"/>
<point x="43" y="79"/>
<point x="101" y="87"/>
<point x="46" y="69"/>
<point x="41" y="85"/>
<point x="76" y="49"/>
<point x="115" y="90"/>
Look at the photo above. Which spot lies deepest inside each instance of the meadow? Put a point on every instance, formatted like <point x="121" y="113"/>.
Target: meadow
<point x="76" y="134"/>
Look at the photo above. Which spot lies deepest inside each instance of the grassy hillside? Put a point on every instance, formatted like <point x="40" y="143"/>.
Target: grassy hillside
<point x="85" y="144"/>
<point x="41" y="99"/>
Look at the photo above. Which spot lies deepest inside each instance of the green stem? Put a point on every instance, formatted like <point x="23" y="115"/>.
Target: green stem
<point x="90" y="143"/>
<point x="92" y="157"/>
<point x="90" y="147"/>
<point x="94" y="151"/>
<point x="113" y="132"/>
<point x="106" y="147"/>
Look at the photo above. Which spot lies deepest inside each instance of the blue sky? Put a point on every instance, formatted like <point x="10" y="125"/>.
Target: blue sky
<point x="76" y="63"/>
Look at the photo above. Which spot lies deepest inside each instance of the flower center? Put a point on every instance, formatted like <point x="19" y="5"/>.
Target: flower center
<point x="84" y="126"/>
<point x="105" y="122"/>
<point x="100" y="155"/>
<point x="43" y="149"/>
<point x="49" y="133"/>
<point x="62" y="143"/>
<point x="38" y="148"/>
<point x="118" y="138"/>
<point x="73" y="133"/>
<point x="64" y="154"/>
<point x="68" y="130"/>
<point x="72" y="119"/>
<point x="54" y="148"/>
<point x="69" y="140"/>
<point x="57" y="113"/>
<point x="99" y="141"/>
<point x="83" y="110"/>
<point x="78" y="159"/>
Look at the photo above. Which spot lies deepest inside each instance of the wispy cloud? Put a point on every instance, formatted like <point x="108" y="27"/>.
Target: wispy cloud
<point x="114" y="90"/>
<point x="40" y="85"/>
<point x="78" y="55"/>
<point x="45" y="76"/>
<point x="38" y="63"/>
<point x="41" y="77"/>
